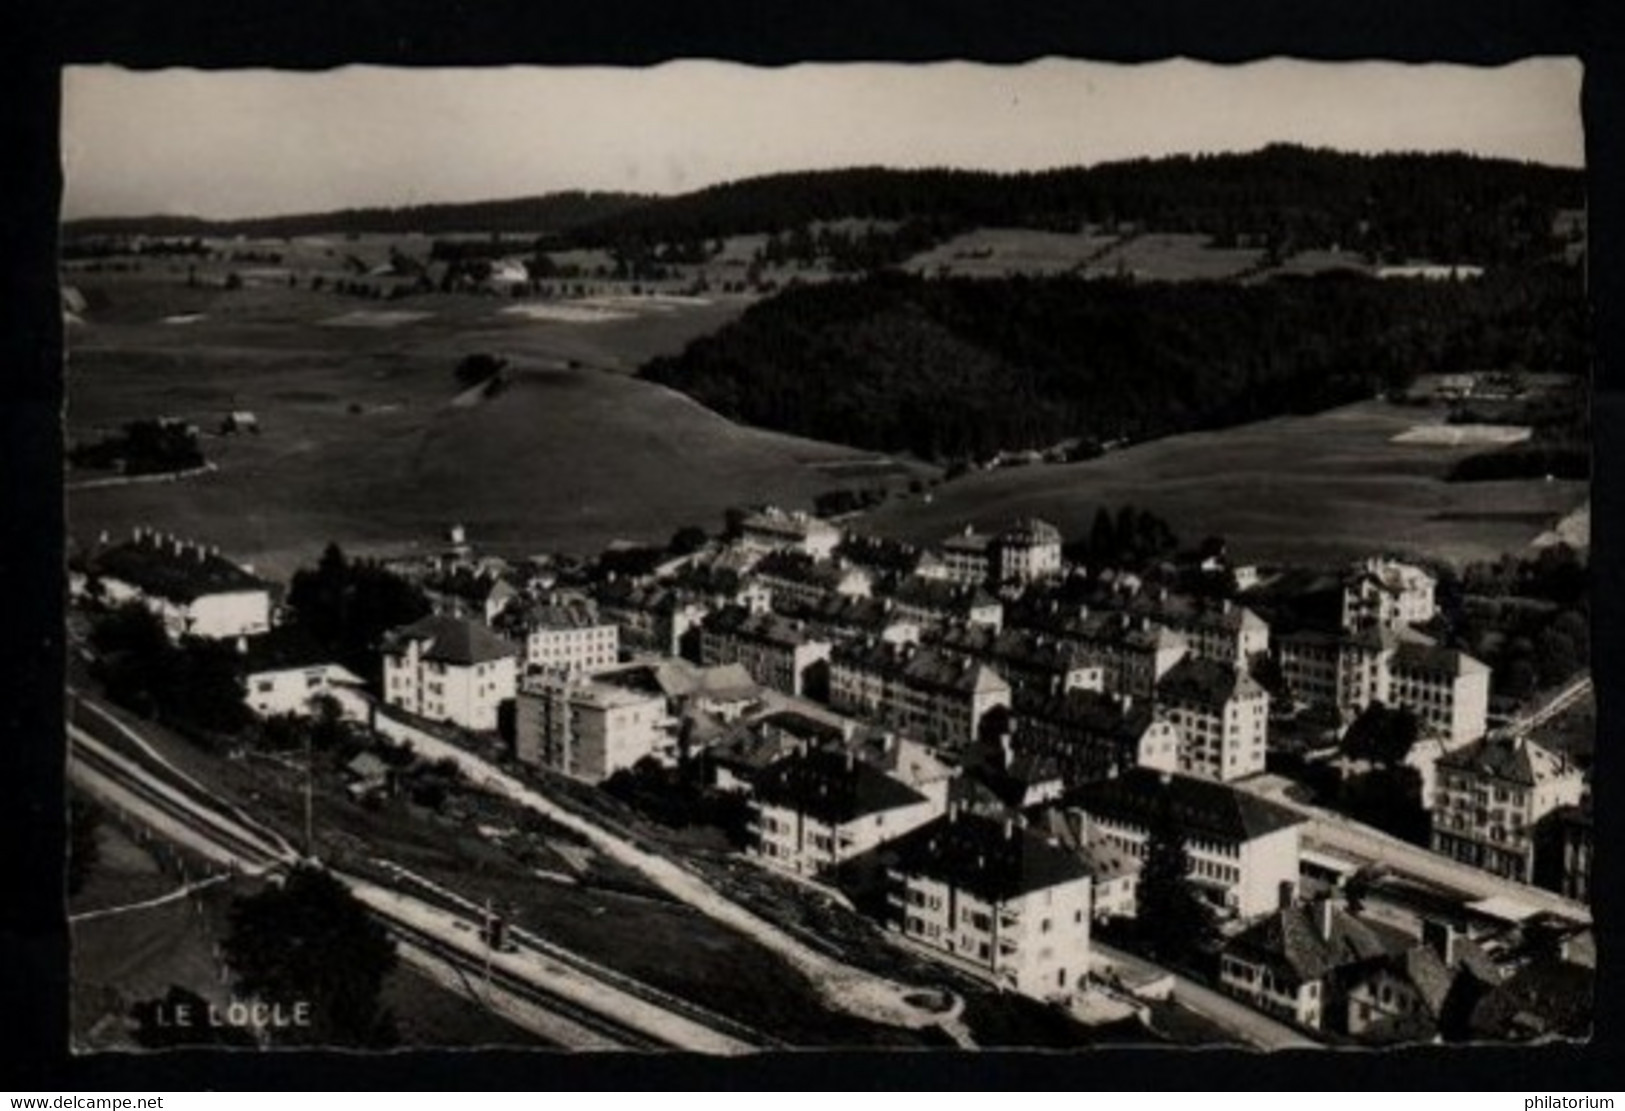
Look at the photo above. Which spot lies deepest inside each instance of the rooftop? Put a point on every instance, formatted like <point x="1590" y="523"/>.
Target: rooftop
<point x="763" y="628"/>
<point x="451" y="640"/>
<point x="991" y="859"/>
<point x="1199" y="807"/>
<point x="832" y="787"/>
<point x="1514" y="759"/>
<point x="174" y="569"/>
<point x="1206" y="683"/>
<point x="921" y="668"/>
<point x="1310" y="941"/>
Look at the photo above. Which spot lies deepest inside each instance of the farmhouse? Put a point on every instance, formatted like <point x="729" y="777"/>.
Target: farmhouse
<point x="449" y="669"/>
<point x="193" y="589"/>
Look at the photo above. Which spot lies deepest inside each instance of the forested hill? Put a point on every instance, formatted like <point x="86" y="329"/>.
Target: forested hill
<point x="962" y="368"/>
<point x="1447" y="207"/>
<point x="553" y="213"/>
<point x="1444" y="207"/>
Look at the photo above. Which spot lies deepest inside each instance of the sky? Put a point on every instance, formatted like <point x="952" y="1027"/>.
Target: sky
<point x="261" y="142"/>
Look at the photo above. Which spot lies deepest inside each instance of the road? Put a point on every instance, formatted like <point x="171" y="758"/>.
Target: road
<point x="1249" y="1025"/>
<point x="850" y="989"/>
<point x="1360" y="842"/>
<point x="1556" y="704"/>
<point x="533" y="985"/>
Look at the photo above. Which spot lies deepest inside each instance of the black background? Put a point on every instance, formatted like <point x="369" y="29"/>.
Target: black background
<point x="37" y="37"/>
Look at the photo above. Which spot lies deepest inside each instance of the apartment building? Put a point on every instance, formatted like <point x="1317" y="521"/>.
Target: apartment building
<point x="193" y="590"/>
<point x="774" y="529"/>
<point x="1387" y="594"/>
<point x="1222" y="716"/>
<point x="1490" y="796"/>
<point x="1092" y="735"/>
<point x="935" y="697"/>
<point x="995" y="899"/>
<point x="587" y="729"/>
<point x="450" y="669"/>
<point x="565" y="634"/>
<point x="778" y="652"/>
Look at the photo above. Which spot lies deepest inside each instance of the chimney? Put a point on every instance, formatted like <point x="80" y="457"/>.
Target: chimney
<point x="1009" y="828"/>
<point x="953" y="812"/>
<point x="1442" y="938"/>
<point x="242" y="646"/>
<point x="1287" y="894"/>
<point x="1323" y="918"/>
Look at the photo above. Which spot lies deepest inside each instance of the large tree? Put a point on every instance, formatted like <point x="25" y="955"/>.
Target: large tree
<point x="1174" y="921"/>
<point x="347" y="605"/>
<point x="309" y="941"/>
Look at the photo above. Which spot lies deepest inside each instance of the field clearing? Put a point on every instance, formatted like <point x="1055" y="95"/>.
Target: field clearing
<point x="1321" y="488"/>
<point x="359" y="442"/>
<point x="1175" y="258"/>
<point x="1464" y="435"/>
<point x="995" y="252"/>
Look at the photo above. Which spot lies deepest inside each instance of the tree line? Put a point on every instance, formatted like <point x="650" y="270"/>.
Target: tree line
<point x="958" y="368"/>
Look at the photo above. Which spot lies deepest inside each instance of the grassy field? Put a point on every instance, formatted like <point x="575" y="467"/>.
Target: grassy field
<point x="996" y="252"/>
<point x="360" y="443"/>
<point x="1318" y="488"/>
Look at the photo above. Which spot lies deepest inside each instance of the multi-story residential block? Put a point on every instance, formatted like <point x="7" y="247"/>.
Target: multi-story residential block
<point x="814" y="810"/>
<point x="792" y="577"/>
<point x="1221" y="630"/>
<point x="1387" y="594"/>
<point x="1028" y="551"/>
<point x="1133" y="651"/>
<point x="995" y="899"/>
<point x="565" y="634"/>
<point x="1242" y="849"/>
<point x="1222" y="716"/>
<point x="1447" y="689"/>
<point x="1036" y="665"/>
<point x="836" y="619"/>
<point x="931" y="602"/>
<point x="1490" y="796"/>
<point x="450" y="669"/>
<point x="926" y="694"/>
<point x="773" y="529"/>
<point x="651" y="618"/>
<point x="587" y="729"/>
<point x="778" y="652"/>
<point x="1092" y="735"/>
<point x="967" y="558"/>
<point x="194" y="590"/>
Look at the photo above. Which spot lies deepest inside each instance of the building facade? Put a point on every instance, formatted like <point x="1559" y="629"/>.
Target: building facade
<point x="450" y="669"/>
<point x="1490" y="796"/>
<point x="589" y="730"/>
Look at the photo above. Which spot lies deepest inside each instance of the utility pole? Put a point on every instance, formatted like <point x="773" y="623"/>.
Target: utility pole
<point x="310" y="775"/>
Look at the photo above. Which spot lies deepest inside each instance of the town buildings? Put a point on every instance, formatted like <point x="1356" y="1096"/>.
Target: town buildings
<point x="451" y="669"/>
<point x="773" y="529"/>
<point x="565" y="634"/>
<point x="1387" y="594"/>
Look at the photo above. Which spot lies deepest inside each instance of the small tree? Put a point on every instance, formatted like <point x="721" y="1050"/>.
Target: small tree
<point x="310" y="942"/>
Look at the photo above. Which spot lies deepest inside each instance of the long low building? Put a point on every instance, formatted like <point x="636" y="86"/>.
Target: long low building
<point x="194" y="590"/>
<point x="1243" y="850"/>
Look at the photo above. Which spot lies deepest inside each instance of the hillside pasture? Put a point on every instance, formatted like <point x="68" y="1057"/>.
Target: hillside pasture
<point x="997" y="252"/>
<point x="359" y="441"/>
<point x="1322" y="488"/>
<point x="1160" y="257"/>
